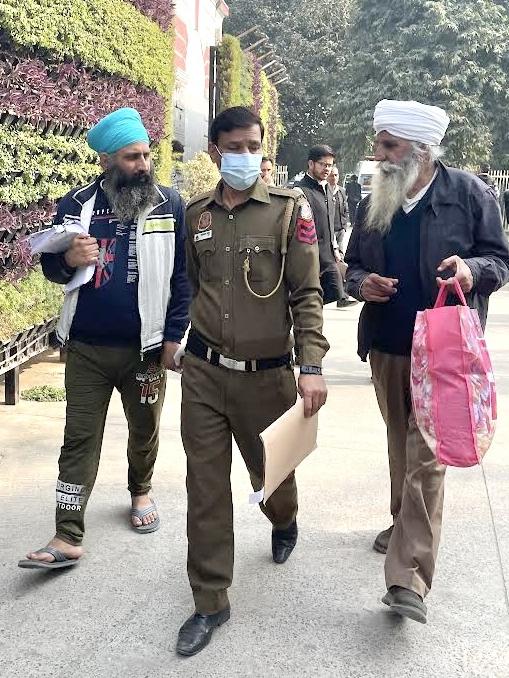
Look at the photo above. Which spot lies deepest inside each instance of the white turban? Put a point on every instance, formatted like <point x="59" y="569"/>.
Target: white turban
<point x="411" y="120"/>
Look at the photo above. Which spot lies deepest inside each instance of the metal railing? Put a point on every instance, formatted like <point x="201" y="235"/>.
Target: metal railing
<point x="18" y="350"/>
<point x="280" y="175"/>
<point x="501" y="179"/>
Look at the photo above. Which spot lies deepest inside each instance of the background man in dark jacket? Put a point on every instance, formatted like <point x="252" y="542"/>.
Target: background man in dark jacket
<point x="354" y="194"/>
<point x="421" y="221"/>
<point x="340" y="207"/>
<point x="316" y="188"/>
<point x="484" y="175"/>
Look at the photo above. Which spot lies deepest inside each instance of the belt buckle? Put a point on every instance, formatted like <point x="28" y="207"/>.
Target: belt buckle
<point x="232" y="364"/>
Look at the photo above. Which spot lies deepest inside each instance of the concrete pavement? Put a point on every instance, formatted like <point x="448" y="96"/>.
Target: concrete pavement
<point x="117" y="614"/>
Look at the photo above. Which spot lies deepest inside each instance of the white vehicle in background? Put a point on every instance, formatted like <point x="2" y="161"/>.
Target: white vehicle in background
<point x="366" y="170"/>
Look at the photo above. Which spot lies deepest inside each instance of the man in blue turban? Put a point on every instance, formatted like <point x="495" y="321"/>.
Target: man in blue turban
<point x="123" y="146"/>
<point x="124" y="315"/>
<point x="117" y="130"/>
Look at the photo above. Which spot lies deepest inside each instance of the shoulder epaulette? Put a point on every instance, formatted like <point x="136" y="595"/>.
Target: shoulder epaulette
<point x="199" y="197"/>
<point x="285" y="192"/>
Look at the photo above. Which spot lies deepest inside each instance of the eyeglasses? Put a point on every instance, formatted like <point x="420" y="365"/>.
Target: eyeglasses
<point x="325" y="164"/>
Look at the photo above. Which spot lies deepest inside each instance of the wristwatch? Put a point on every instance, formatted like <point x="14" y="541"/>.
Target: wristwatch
<point x="310" y="369"/>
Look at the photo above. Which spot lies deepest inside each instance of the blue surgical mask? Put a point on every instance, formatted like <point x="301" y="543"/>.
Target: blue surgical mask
<point x="240" y="170"/>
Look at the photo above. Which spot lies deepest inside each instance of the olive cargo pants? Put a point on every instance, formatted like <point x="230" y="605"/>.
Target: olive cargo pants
<point x="91" y="374"/>
<point x="216" y="403"/>
<point x="417" y="480"/>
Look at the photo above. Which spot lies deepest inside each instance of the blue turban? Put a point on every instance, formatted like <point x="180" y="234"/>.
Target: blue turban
<point x="116" y="130"/>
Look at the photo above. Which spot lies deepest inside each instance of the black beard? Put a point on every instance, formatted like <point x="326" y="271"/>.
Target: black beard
<point x="129" y="195"/>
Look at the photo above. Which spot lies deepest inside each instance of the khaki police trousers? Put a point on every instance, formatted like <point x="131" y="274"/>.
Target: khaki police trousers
<point x="216" y="404"/>
<point x="417" y="480"/>
<point x="91" y="374"/>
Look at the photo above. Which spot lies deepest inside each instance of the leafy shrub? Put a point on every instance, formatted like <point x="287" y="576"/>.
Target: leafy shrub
<point x="198" y="175"/>
<point x="30" y="302"/>
<point x="110" y="35"/>
<point x="42" y="166"/>
<point x="229" y="72"/>
<point x="44" y="393"/>
<point x="246" y="81"/>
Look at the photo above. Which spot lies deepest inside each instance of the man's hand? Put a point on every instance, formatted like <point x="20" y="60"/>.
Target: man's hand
<point x="83" y="251"/>
<point x="338" y="256"/>
<point x="378" y="289"/>
<point x="168" y="356"/>
<point x="313" y="390"/>
<point x="462" y="273"/>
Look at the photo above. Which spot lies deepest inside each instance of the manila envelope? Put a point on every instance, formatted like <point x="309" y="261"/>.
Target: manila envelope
<point x="287" y="442"/>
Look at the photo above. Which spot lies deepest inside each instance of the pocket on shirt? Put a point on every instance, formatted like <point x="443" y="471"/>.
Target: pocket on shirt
<point x="206" y="250"/>
<point x="262" y="252"/>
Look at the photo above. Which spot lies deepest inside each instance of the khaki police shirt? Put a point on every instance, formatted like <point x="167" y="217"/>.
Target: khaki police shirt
<point x="227" y="316"/>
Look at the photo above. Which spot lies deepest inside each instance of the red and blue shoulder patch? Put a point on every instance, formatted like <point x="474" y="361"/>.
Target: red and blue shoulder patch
<point x="305" y="227"/>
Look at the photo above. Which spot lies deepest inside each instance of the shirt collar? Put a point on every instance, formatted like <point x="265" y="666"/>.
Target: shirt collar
<point x="323" y="183"/>
<point x="259" y="192"/>
<point x="409" y="203"/>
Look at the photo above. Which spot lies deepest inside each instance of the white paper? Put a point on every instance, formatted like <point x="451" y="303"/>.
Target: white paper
<point x="56" y="239"/>
<point x="179" y="354"/>
<point x="81" y="277"/>
<point x="257" y="497"/>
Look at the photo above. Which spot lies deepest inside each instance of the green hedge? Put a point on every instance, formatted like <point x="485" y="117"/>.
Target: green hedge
<point x="265" y="107"/>
<point x="46" y="166"/>
<point x="30" y="302"/>
<point x="246" y="82"/>
<point x="111" y="35"/>
<point x="241" y="82"/>
<point x="235" y="75"/>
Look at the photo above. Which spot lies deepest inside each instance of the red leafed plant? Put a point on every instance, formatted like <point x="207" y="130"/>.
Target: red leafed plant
<point x="160" y="11"/>
<point x="69" y="94"/>
<point x="16" y="260"/>
<point x="26" y="218"/>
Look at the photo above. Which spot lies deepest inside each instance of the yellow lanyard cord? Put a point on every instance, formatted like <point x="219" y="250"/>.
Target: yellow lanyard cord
<point x="290" y="205"/>
<point x="246" y="266"/>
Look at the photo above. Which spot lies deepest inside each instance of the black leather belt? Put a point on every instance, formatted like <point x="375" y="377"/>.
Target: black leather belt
<point x="199" y="348"/>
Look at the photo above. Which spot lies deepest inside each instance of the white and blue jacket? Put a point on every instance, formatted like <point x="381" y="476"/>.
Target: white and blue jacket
<point x="163" y="287"/>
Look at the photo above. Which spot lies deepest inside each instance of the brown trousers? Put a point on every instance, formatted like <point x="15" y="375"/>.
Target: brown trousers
<point x="216" y="403"/>
<point x="417" y="480"/>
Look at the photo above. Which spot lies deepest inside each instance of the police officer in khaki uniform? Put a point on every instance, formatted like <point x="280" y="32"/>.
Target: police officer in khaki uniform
<point x="253" y="264"/>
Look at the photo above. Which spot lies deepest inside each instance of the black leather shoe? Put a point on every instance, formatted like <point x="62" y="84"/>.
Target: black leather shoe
<point x="381" y="543"/>
<point x="197" y="631"/>
<point x="283" y="543"/>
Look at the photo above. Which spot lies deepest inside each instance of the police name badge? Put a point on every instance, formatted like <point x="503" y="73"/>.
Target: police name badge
<point x="204" y="235"/>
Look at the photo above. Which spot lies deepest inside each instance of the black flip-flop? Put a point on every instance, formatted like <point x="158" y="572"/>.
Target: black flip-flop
<point x="60" y="560"/>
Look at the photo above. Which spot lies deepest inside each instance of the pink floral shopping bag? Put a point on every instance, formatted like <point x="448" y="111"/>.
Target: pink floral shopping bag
<point x="453" y="388"/>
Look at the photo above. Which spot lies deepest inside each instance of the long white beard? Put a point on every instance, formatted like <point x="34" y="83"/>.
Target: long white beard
<point x="390" y="187"/>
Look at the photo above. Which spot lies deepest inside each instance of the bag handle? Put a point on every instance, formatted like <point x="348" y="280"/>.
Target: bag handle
<point x="445" y="290"/>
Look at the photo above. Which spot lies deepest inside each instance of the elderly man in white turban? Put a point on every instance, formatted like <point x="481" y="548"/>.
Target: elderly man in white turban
<point x="422" y="221"/>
